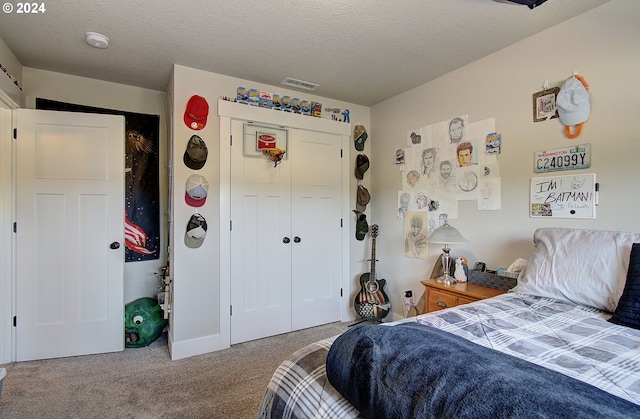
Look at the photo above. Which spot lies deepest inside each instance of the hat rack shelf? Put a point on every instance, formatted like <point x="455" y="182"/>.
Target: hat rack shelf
<point x="285" y="119"/>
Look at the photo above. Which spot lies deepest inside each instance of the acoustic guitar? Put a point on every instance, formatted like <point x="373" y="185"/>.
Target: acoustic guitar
<point x="372" y="303"/>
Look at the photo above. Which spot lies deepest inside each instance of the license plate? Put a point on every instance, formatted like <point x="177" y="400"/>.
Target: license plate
<point x="567" y="158"/>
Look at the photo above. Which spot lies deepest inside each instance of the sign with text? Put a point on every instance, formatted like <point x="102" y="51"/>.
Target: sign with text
<point x="571" y="196"/>
<point x="566" y="158"/>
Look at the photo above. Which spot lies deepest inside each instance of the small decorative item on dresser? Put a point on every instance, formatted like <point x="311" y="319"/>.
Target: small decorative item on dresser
<point x="446" y="235"/>
<point x="460" y="274"/>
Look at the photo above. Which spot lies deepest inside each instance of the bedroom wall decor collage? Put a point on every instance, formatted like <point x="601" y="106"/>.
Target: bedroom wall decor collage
<point x="444" y="163"/>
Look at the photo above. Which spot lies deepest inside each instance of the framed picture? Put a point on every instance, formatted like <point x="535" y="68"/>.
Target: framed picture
<point x="544" y="104"/>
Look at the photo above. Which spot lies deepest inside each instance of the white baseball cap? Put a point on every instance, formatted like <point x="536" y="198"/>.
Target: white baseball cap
<point x="196" y="190"/>
<point x="573" y="102"/>
<point x="196" y="231"/>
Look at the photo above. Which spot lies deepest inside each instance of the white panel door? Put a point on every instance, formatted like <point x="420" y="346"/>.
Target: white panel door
<point x="260" y="259"/>
<point x="316" y="228"/>
<point x="70" y="234"/>
<point x="286" y="238"/>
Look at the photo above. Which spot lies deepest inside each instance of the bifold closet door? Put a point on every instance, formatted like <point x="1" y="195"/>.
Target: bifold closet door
<point x="286" y="243"/>
<point x="316" y="222"/>
<point x="260" y="258"/>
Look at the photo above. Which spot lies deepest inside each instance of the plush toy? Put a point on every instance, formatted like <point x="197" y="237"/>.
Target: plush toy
<point x="143" y="322"/>
<point x="459" y="273"/>
<point x="275" y="155"/>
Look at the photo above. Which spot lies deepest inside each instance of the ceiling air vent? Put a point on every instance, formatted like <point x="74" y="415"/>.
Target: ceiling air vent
<point x="300" y="84"/>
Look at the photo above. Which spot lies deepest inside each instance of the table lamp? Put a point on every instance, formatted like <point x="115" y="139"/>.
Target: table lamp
<point x="446" y="235"/>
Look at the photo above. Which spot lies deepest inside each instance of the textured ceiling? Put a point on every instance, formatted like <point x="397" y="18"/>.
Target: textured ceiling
<point x="359" y="51"/>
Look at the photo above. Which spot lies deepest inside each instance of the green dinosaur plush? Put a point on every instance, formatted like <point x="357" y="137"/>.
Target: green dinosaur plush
<point x="143" y="322"/>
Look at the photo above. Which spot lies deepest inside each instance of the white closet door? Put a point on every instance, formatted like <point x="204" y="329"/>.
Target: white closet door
<point x="70" y="235"/>
<point x="260" y="267"/>
<point x="316" y="221"/>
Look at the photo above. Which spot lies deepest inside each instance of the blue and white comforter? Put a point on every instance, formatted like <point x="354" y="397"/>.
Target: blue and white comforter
<point x="573" y="340"/>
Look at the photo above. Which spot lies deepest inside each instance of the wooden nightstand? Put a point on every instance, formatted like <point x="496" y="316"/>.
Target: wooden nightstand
<point x="439" y="296"/>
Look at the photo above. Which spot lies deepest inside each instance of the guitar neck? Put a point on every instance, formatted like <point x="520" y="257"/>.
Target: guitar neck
<point x="373" y="259"/>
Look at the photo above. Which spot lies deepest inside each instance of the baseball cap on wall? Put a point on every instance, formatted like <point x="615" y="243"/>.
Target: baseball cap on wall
<point x="359" y="137"/>
<point x="195" y="156"/>
<point x="362" y="198"/>
<point x="196" y="231"/>
<point x="196" y="191"/>
<point x="573" y="102"/>
<point x="195" y="116"/>
<point x="362" y="165"/>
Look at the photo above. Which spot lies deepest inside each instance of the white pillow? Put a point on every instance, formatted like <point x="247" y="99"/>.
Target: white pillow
<point x="586" y="267"/>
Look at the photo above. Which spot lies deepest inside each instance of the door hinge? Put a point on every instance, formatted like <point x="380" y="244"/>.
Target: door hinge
<point x="230" y="140"/>
<point x="15" y="227"/>
<point x="15" y="133"/>
<point x="230" y="225"/>
<point x="231" y="310"/>
<point x="340" y="292"/>
<point x="340" y="153"/>
<point x="341" y="223"/>
<point x="15" y="321"/>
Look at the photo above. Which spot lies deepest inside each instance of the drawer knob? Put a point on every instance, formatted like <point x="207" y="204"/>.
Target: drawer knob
<point x="441" y="304"/>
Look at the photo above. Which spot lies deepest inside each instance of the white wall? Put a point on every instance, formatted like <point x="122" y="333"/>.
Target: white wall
<point x="196" y="279"/>
<point x="602" y="45"/>
<point x="10" y="62"/>
<point x="140" y="278"/>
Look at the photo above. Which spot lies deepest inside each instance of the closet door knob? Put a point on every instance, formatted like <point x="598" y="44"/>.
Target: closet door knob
<point x="286" y="240"/>
<point x="297" y="239"/>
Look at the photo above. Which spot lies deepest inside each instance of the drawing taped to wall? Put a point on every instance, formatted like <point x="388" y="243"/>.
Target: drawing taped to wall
<point x="415" y="234"/>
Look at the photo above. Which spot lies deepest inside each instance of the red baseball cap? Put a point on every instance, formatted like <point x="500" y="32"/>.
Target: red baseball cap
<point x="195" y="116"/>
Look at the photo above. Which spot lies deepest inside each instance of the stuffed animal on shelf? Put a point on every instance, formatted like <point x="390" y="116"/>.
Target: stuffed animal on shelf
<point x="459" y="274"/>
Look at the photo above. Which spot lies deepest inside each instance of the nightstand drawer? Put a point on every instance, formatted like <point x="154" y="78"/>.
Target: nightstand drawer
<point x="437" y="300"/>
<point x="439" y="296"/>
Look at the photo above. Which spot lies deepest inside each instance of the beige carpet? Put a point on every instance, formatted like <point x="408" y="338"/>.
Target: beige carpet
<point x="145" y="383"/>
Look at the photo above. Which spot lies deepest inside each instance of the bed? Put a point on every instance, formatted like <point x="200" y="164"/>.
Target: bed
<point x="565" y="342"/>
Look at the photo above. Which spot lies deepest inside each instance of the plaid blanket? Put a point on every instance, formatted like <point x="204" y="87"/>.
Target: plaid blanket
<point x="573" y="340"/>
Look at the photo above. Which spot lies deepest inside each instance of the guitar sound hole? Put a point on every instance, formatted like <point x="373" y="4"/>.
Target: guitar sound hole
<point x="372" y="287"/>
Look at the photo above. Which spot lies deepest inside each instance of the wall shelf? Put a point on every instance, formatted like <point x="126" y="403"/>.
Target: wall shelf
<point x="10" y="94"/>
<point x="256" y="114"/>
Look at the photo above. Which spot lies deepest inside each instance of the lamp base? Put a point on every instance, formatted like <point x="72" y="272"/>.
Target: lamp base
<point x="447" y="279"/>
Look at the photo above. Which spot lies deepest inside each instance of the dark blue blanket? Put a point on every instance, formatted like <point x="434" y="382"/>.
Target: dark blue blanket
<point x="416" y="371"/>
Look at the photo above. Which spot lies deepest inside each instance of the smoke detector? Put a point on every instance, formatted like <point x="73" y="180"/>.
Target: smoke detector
<point x="97" y="40"/>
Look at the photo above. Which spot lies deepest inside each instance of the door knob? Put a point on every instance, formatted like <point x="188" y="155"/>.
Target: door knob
<point x="114" y="245"/>
<point x="286" y="240"/>
<point x="297" y="239"/>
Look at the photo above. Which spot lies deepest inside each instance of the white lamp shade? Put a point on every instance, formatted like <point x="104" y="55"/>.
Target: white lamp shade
<point x="447" y="235"/>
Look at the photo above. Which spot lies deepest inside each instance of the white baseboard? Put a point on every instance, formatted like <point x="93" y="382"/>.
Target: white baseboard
<point x="193" y="347"/>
